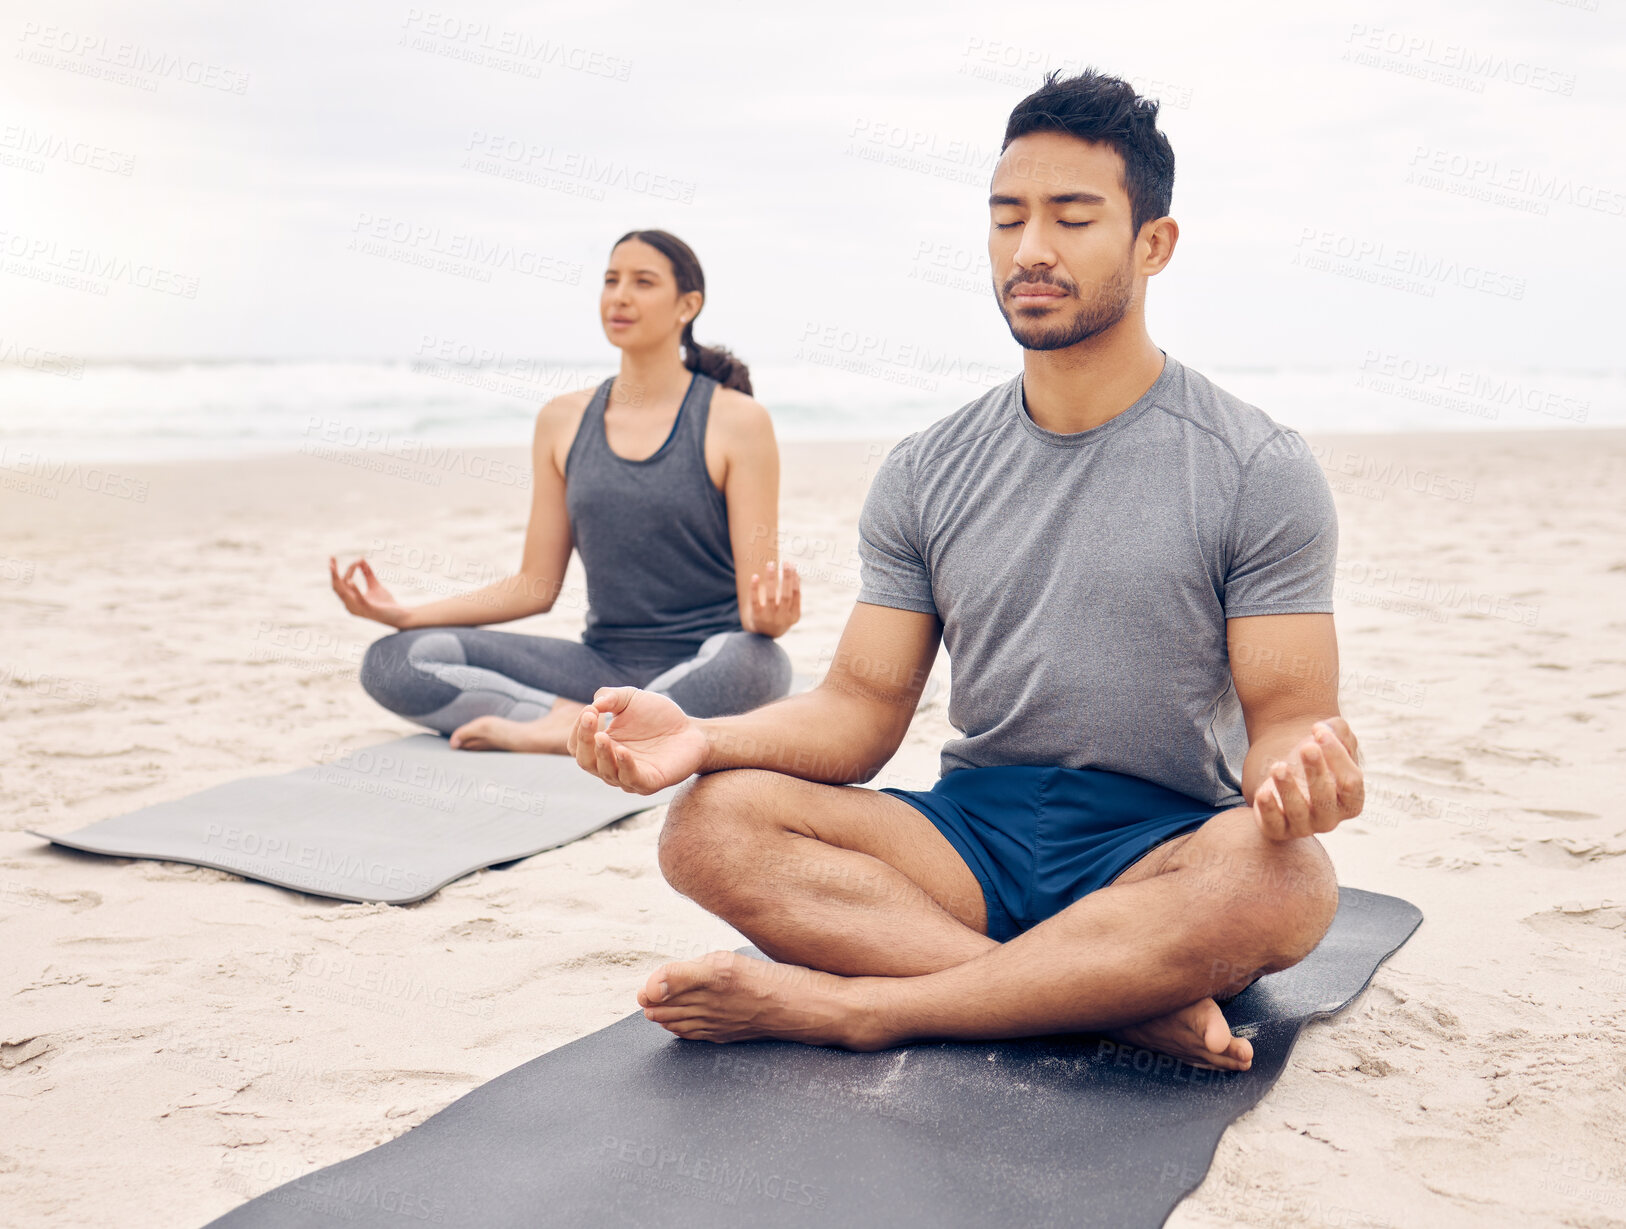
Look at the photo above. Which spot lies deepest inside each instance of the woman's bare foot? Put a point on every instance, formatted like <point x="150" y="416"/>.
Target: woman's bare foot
<point x="501" y="734"/>
<point x="1197" y="1033"/>
<point x="728" y="997"/>
<point x="544" y="736"/>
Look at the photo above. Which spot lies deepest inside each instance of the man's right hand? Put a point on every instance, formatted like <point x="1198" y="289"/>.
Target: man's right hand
<point x="651" y="742"/>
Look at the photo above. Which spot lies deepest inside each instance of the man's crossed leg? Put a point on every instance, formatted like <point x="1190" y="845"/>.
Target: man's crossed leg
<point x="880" y="928"/>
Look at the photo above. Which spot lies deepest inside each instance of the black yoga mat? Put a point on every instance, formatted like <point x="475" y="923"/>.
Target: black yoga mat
<point x="632" y="1127"/>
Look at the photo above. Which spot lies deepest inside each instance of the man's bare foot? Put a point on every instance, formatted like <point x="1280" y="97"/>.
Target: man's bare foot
<point x="538" y="737"/>
<point x="1197" y="1034"/>
<point x="728" y="997"/>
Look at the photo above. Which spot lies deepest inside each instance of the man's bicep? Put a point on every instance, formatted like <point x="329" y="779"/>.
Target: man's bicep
<point x="884" y="656"/>
<point x="1284" y="666"/>
<point x="1284" y="536"/>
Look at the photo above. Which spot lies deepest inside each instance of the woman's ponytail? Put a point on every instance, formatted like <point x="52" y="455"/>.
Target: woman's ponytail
<point x="715" y="361"/>
<point x="718" y="362"/>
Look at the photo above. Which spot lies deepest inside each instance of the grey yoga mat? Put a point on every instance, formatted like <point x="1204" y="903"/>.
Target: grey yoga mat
<point x="632" y="1127"/>
<point x="392" y="823"/>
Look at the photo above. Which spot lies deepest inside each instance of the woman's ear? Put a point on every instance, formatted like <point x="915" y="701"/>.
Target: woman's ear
<point x="689" y="305"/>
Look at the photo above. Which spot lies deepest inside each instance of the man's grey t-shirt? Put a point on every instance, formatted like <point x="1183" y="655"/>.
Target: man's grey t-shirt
<point x="1084" y="580"/>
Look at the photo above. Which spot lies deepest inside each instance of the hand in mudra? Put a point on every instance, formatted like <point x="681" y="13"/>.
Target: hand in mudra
<point x="776" y="600"/>
<point x="650" y="743"/>
<point x="372" y="602"/>
<point x="1316" y="788"/>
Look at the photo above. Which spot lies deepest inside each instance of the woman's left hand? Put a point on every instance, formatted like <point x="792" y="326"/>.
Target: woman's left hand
<point x="776" y="601"/>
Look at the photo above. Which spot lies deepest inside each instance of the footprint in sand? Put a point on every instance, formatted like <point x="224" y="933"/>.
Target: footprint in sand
<point x="17" y="1052"/>
<point x="1575" y="918"/>
<point x="1571" y="852"/>
<point x="481" y="928"/>
<point x="626" y="872"/>
<point x="624" y="959"/>
<point x="1438" y="768"/>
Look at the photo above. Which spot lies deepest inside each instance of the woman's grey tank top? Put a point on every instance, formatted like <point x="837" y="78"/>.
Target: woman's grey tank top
<point x="652" y="535"/>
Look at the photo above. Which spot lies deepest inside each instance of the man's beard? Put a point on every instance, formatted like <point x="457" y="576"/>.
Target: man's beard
<point x="1111" y="301"/>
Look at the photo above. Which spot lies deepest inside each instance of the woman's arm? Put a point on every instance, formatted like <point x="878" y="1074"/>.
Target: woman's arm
<point x="535" y="588"/>
<point x="769" y="592"/>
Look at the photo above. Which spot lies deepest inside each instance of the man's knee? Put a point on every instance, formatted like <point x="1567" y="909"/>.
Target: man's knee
<point x="712" y="824"/>
<point x="1278" y="897"/>
<point x="1305" y="888"/>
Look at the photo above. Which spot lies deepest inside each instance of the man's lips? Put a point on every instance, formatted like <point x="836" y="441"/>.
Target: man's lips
<point x="1035" y="290"/>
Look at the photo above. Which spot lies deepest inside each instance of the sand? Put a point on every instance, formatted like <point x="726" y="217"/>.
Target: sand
<point x="175" y="1040"/>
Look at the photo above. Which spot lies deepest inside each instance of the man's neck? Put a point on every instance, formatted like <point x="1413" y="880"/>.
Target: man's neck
<point x="1083" y="386"/>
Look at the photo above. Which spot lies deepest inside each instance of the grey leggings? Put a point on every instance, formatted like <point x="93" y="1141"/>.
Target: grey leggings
<point x="441" y="677"/>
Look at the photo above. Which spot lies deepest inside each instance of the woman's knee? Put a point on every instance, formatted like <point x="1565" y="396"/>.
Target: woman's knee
<point x="758" y="669"/>
<point x="777" y="669"/>
<point x="734" y="672"/>
<point x="383" y="658"/>
<point x="388" y="674"/>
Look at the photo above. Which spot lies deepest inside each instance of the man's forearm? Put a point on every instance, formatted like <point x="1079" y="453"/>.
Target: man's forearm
<point x="820" y="735"/>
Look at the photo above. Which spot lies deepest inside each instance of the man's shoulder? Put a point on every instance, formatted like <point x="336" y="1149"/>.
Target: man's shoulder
<point x="977" y="419"/>
<point x="1239" y="426"/>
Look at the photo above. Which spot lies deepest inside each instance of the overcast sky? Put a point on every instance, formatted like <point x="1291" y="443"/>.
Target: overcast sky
<point x="269" y="180"/>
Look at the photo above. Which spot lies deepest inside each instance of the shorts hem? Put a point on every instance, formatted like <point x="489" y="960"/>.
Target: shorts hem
<point x="998" y="924"/>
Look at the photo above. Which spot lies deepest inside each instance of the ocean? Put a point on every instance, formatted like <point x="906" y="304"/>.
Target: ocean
<point x="61" y="408"/>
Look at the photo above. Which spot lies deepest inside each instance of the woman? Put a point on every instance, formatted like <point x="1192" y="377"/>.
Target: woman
<point x="666" y="480"/>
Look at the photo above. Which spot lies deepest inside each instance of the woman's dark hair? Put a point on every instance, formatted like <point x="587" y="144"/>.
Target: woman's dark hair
<point x="714" y="361"/>
<point x="1095" y="107"/>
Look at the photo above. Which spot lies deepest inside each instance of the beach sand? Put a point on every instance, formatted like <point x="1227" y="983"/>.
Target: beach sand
<point x="175" y="1040"/>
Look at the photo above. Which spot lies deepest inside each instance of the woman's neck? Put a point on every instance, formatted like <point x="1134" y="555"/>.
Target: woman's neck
<point x="652" y="377"/>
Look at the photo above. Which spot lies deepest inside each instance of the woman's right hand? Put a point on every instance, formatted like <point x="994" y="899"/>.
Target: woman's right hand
<point x="375" y="602"/>
<point x="651" y="742"/>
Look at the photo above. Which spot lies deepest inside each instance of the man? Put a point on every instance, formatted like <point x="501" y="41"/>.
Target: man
<point x="1132" y="573"/>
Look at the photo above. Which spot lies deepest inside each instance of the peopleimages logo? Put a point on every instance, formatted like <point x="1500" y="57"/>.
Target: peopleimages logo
<point x="1387" y="473"/>
<point x="515" y="157"/>
<point x="1482" y="394"/>
<point x="457" y="252"/>
<point x="1489" y="179"/>
<point x="96" y="55"/>
<point x="36" y="147"/>
<point x="1448" y="62"/>
<point x="88" y="269"/>
<point x="1374" y="260"/>
<point x="478" y="42"/>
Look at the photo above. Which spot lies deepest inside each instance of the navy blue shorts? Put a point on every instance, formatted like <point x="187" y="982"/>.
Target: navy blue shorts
<point x="1039" y="838"/>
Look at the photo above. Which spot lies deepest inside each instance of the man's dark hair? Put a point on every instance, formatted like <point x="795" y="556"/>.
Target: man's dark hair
<point x="1095" y="107"/>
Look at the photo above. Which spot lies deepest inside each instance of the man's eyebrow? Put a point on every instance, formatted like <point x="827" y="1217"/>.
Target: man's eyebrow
<point x="1055" y="198"/>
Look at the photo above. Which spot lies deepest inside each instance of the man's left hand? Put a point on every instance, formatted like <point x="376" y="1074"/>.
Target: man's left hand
<point x="1315" y="788"/>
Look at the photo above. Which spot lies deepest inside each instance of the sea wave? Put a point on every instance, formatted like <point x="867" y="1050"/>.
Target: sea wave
<point x="179" y="408"/>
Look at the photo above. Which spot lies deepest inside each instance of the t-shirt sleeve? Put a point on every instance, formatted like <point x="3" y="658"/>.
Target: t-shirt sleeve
<point x="892" y="565"/>
<point x="1284" y="534"/>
